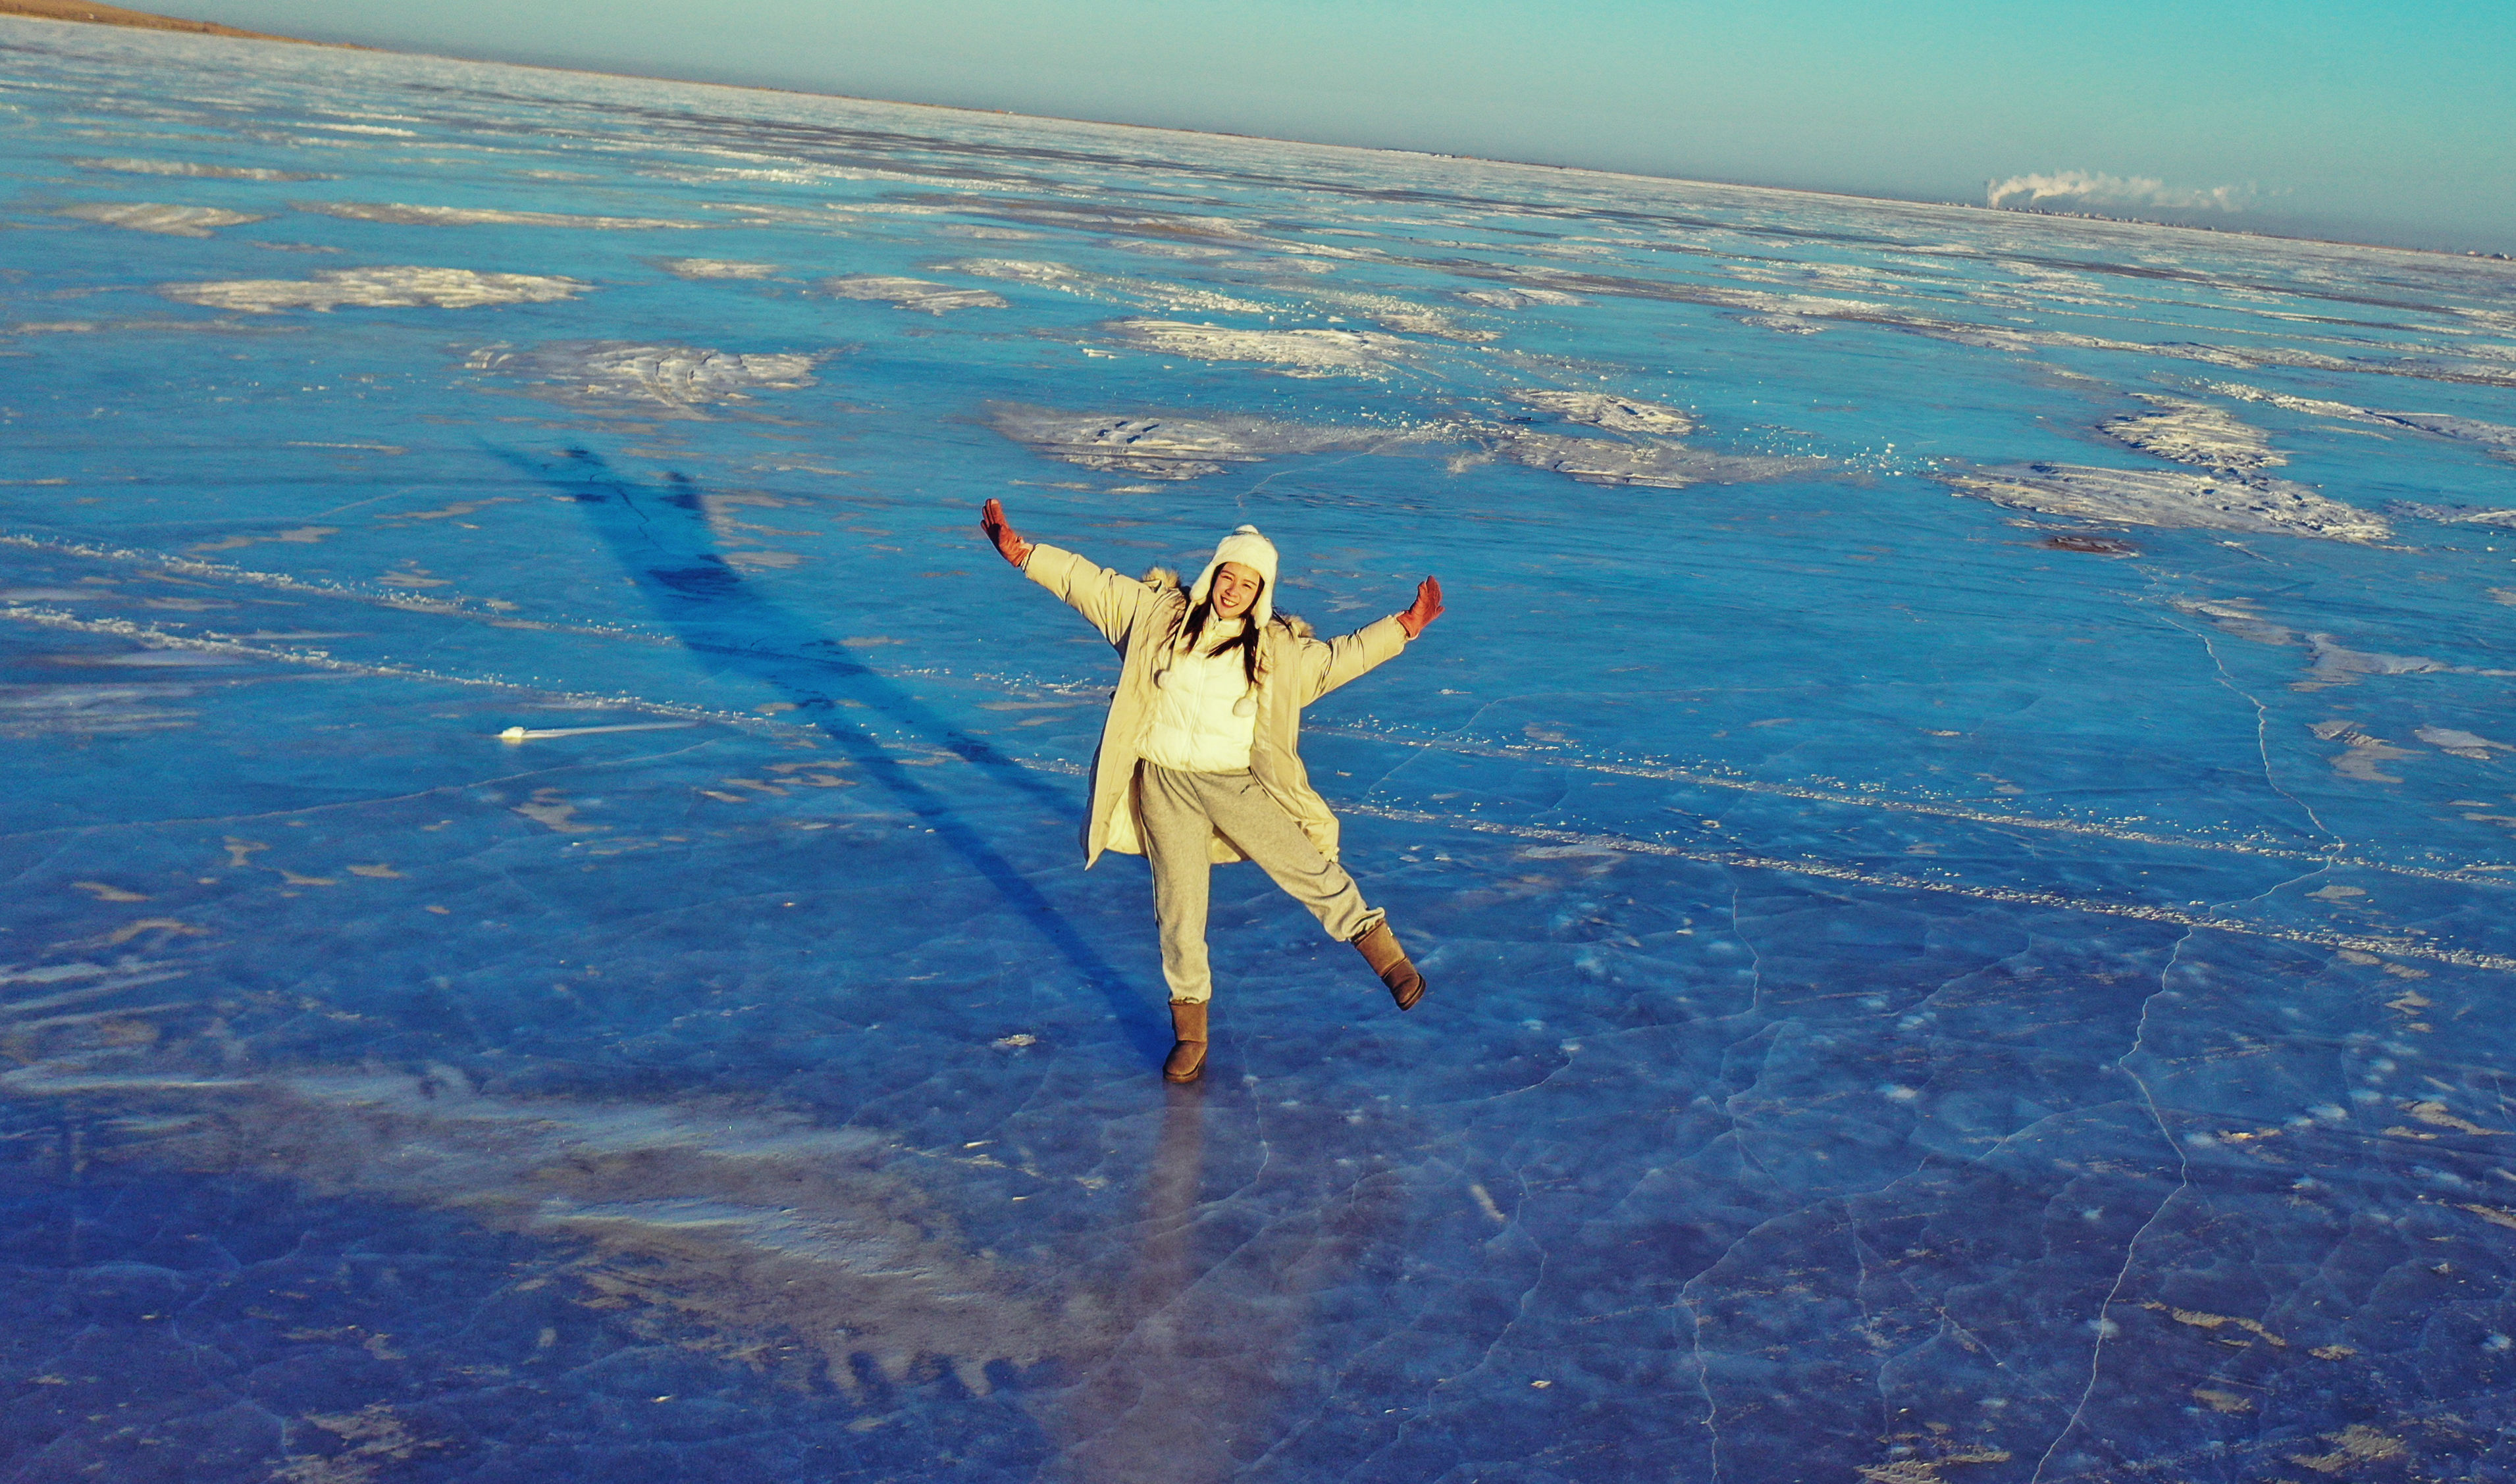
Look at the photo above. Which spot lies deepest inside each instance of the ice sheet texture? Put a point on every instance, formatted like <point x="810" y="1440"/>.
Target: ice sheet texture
<point x="1958" y="822"/>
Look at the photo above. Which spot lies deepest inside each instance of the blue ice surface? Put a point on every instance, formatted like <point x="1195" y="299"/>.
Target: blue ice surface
<point x="1959" y="821"/>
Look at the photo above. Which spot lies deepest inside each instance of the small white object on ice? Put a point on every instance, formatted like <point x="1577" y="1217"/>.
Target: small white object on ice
<point x="536" y="734"/>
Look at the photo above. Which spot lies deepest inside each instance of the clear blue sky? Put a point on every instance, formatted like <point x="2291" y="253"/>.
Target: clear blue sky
<point x="2384" y="122"/>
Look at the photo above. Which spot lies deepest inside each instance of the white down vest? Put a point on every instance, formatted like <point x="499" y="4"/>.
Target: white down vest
<point x="1205" y="715"/>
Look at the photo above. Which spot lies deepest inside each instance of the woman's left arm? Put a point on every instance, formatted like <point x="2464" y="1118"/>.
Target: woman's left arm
<point x="1339" y="660"/>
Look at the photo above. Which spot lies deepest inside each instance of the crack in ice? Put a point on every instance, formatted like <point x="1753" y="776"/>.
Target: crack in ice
<point x="2131" y="1249"/>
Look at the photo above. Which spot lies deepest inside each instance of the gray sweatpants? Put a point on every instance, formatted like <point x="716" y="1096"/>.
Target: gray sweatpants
<point x="1181" y="811"/>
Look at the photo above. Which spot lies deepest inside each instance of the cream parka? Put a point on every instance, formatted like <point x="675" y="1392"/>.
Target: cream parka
<point x="1142" y="619"/>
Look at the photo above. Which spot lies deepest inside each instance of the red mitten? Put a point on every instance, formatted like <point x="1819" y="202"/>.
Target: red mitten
<point x="1009" y="542"/>
<point x="1428" y="607"/>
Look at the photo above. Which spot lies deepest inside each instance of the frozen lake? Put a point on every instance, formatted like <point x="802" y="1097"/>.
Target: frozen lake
<point x="1960" y="821"/>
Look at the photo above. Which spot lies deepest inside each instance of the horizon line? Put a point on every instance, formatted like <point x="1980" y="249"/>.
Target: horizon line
<point x="217" y="31"/>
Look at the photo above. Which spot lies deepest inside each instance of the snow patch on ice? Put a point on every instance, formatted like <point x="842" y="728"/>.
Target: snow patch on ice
<point x="802" y="173"/>
<point x="2361" y="755"/>
<point x="198" y="171"/>
<point x="666" y="380"/>
<point x="442" y="288"/>
<point x="1517" y="299"/>
<point x="1657" y="466"/>
<point x="2237" y="616"/>
<point x="1292" y="352"/>
<point x="1139" y="293"/>
<point x="701" y="269"/>
<point x="154" y="217"/>
<point x="2338" y="664"/>
<point x="2462" y="744"/>
<point x="2330" y="662"/>
<point x="2312" y="406"/>
<point x="830" y="215"/>
<point x="2193" y="432"/>
<point x="910" y="293"/>
<point x="1157" y="447"/>
<point x="403" y="215"/>
<point x="1391" y="312"/>
<point x="1718" y="296"/>
<point x="2497" y="438"/>
<point x="1785" y="325"/>
<point x="2454" y="514"/>
<point x="1016" y="271"/>
<point x="1155" y="247"/>
<point x="1617" y="414"/>
<point x="2171" y="498"/>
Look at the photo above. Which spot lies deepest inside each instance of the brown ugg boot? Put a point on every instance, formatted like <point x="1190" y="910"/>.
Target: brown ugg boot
<point x="1380" y="950"/>
<point x="1187" y="1061"/>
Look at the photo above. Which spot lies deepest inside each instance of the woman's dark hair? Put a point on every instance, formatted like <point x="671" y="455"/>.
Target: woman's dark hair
<point x="1246" y="641"/>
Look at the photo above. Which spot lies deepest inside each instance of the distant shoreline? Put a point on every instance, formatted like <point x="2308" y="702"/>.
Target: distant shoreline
<point x="113" y="15"/>
<point x="80" y="11"/>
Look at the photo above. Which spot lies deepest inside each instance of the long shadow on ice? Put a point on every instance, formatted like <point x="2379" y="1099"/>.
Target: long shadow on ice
<point x="661" y="540"/>
<point x="230" y="1327"/>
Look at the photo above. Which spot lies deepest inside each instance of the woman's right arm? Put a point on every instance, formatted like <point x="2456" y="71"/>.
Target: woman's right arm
<point x="1109" y="600"/>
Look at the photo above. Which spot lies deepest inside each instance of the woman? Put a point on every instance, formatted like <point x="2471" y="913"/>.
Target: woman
<point x="1198" y="763"/>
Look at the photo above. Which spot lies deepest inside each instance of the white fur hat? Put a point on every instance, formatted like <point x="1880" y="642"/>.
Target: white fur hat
<point x="1252" y="550"/>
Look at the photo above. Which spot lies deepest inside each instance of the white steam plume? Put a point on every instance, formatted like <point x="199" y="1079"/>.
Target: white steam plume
<point x="2098" y="188"/>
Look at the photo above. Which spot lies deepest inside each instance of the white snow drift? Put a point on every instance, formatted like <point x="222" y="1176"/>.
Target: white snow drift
<point x="911" y="292"/>
<point x="1617" y="414"/>
<point x="1159" y="447"/>
<point x="2193" y="432"/>
<point x="2173" y="498"/>
<point x="154" y="217"/>
<point x="198" y="171"/>
<point x="700" y="269"/>
<point x="439" y="288"/>
<point x="1289" y="353"/>
<point x="403" y="215"/>
<point x="667" y="380"/>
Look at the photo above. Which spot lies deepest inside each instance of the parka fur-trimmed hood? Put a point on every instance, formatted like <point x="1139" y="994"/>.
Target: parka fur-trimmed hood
<point x="1142" y="619"/>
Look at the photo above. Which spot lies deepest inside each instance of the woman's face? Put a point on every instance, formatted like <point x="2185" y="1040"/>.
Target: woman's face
<point x="1235" y="588"/>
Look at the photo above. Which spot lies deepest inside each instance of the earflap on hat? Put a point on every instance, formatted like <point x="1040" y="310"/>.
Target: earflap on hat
<point x="1252" y="550"/>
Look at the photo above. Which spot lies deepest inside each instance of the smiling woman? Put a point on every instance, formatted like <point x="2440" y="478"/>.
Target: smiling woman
<point x="1199" y="762"/>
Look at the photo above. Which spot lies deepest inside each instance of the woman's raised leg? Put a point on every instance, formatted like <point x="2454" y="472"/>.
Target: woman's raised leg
<point x="1260" y="829"/>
